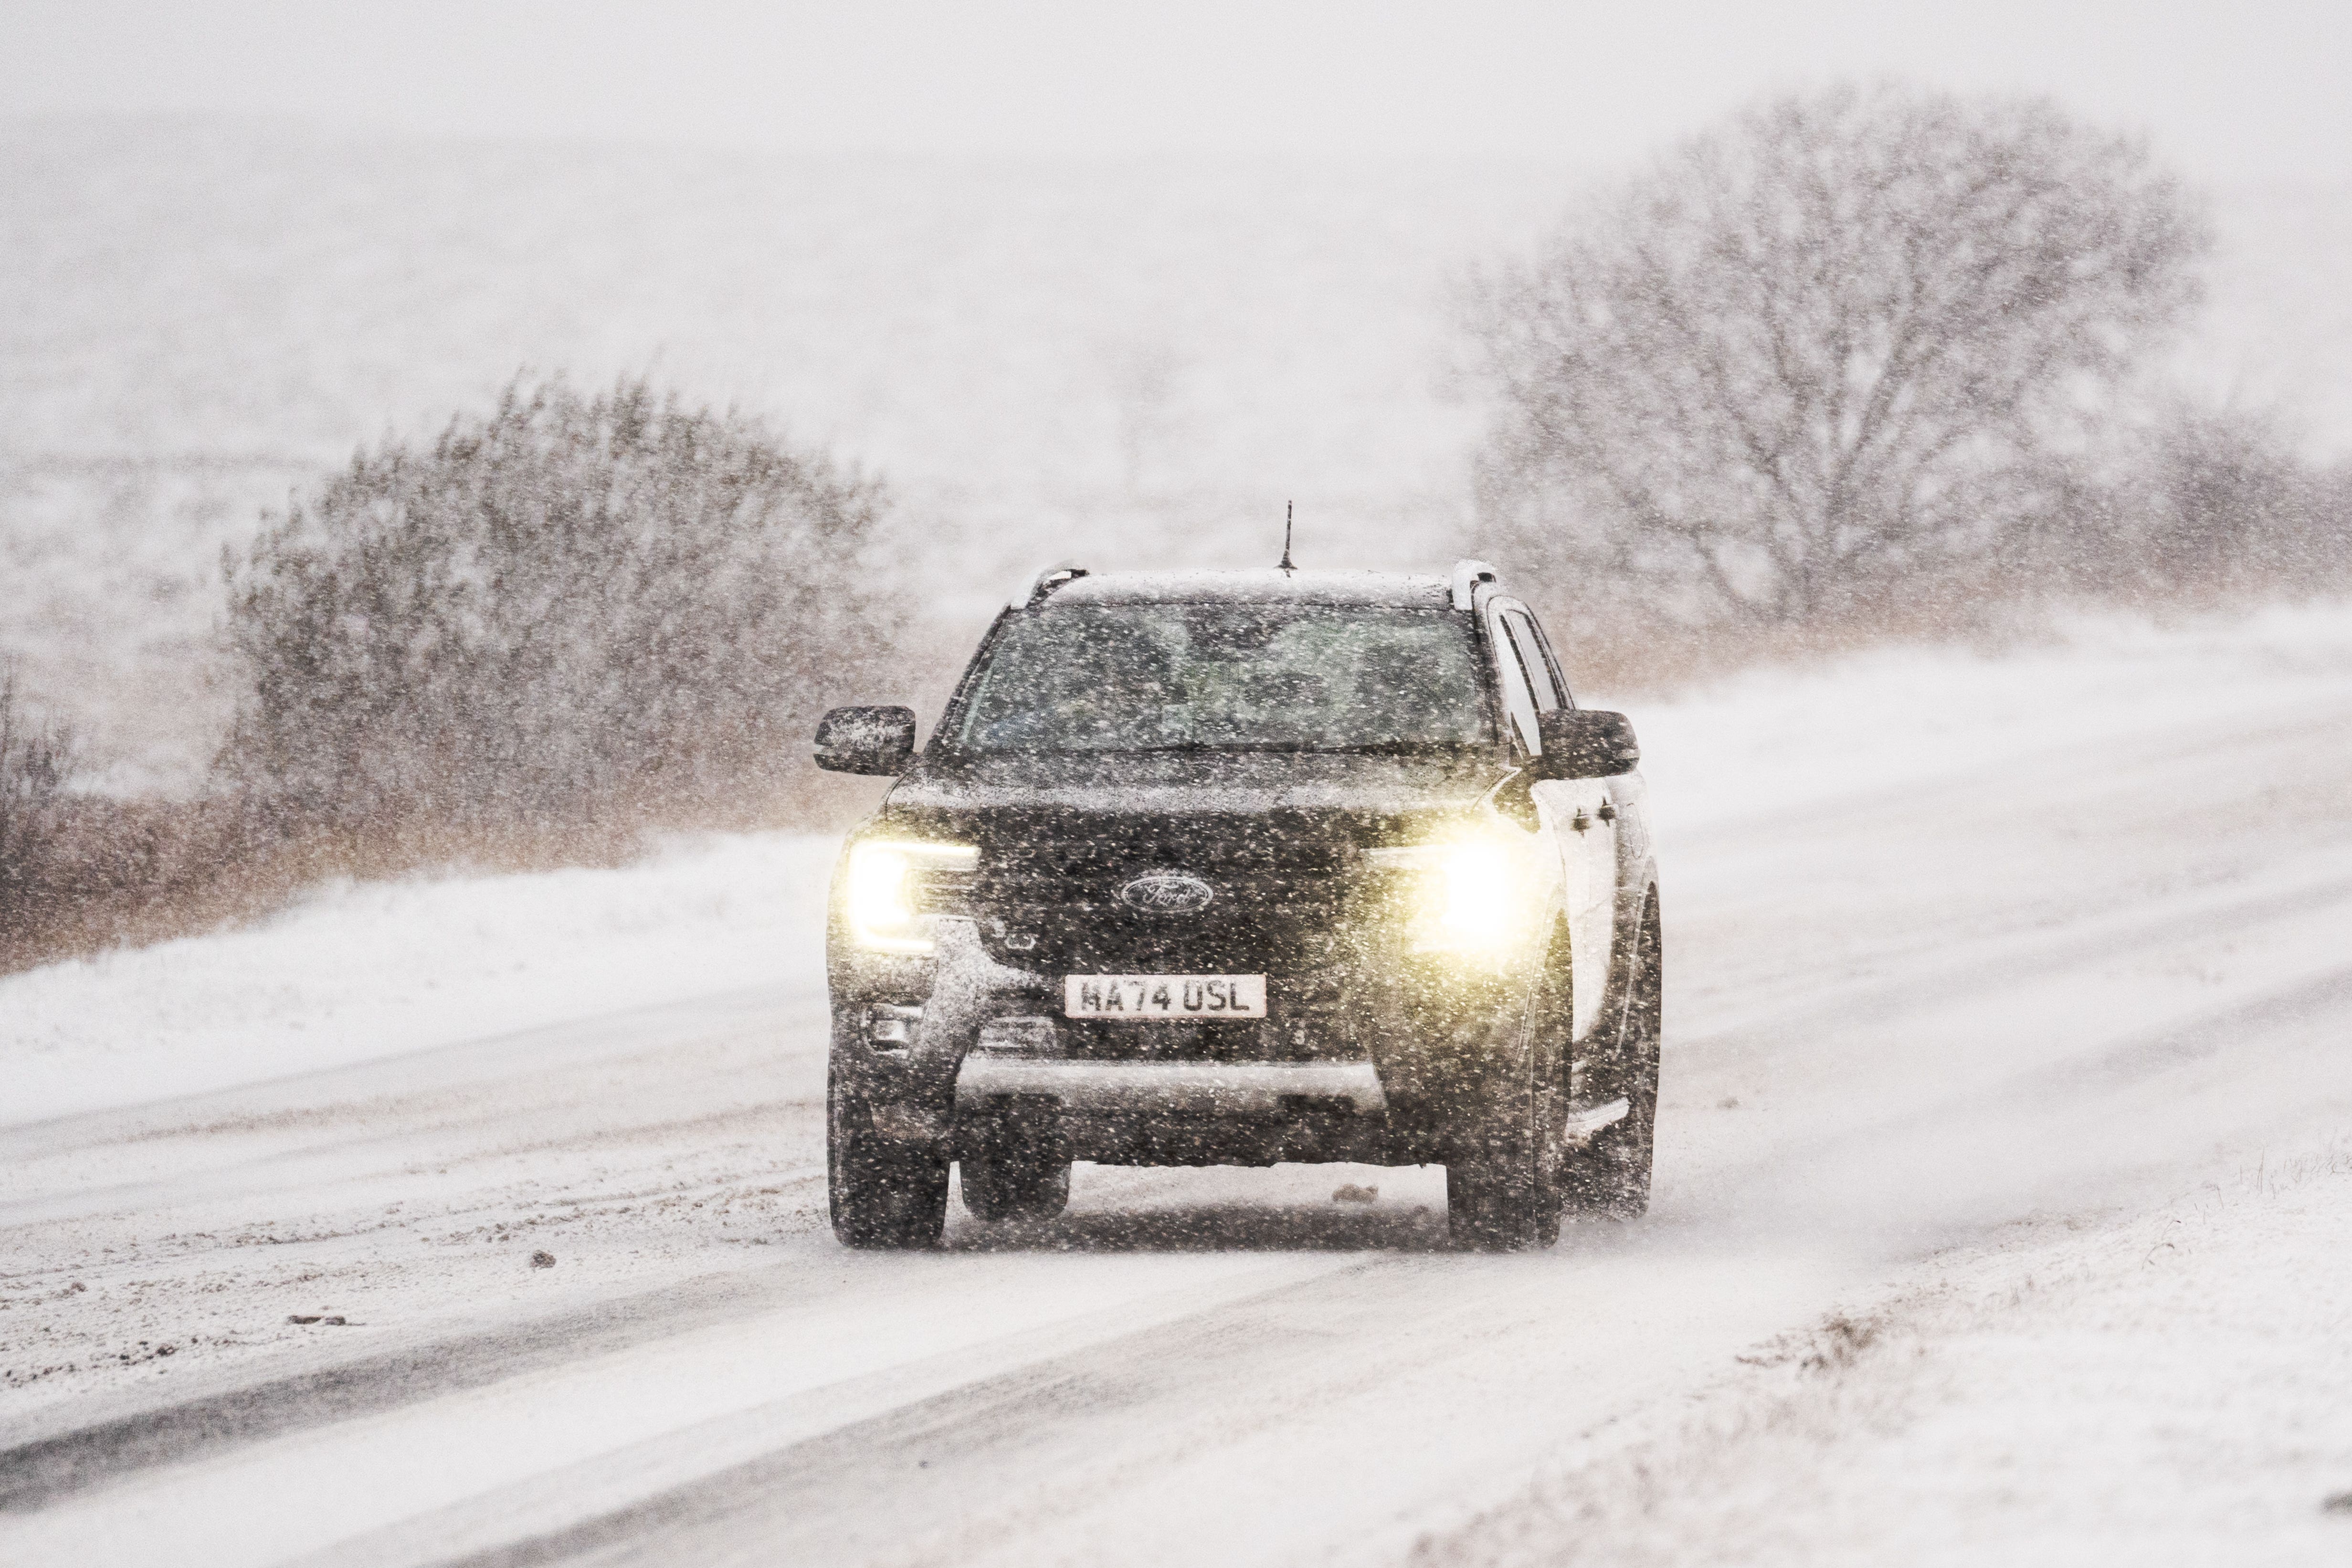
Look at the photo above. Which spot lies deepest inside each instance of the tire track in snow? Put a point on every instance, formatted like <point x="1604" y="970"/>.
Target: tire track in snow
<point x="44" y="1470"/>
<point x="1195" y="1409"/>
<point x="2030" y="955"/>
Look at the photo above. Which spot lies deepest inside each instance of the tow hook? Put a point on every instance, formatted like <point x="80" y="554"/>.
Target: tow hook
<point x="893" y="1028"/>
<point x="908" y="1124"/>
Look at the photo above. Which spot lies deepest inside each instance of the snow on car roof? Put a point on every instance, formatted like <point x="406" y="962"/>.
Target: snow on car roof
<point x="1264" y="585"/>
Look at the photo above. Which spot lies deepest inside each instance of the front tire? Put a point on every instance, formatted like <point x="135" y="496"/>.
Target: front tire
<point x="1503" y="1189"/>
<point x="883" y="1193"/>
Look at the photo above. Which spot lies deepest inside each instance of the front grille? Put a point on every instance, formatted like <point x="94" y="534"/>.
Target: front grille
<point x="1048" y="895"/>
<point x="1249" y="935"/>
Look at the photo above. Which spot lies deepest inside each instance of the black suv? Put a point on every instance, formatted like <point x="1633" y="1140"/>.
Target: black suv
<point x="1229" y="868"/>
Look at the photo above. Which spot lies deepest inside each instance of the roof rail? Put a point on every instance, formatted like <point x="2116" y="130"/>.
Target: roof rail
<point x="1467" y="576"/>
<point x="1044" y="583"/>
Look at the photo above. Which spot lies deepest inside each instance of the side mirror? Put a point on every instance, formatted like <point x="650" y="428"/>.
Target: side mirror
<point x="1586" y="743"/>
<point x="866" y="739"/>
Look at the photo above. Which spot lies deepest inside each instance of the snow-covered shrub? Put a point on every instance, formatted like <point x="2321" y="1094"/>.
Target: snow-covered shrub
<point x="2195" y="506"/>
<point x="571" y="610"/>
<point x="35" y="765"/>
<point x="2234" y="510"/>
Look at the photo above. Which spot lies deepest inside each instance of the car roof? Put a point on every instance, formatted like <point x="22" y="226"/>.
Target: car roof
<point x="1268" y="585"/>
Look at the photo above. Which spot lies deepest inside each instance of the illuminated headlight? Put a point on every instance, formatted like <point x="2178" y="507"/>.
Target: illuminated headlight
<point x="880" y="898"/>
<point x="1471" y="894"/>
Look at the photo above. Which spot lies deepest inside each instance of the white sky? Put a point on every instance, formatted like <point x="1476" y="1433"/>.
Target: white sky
<point x="2231" y="91"/>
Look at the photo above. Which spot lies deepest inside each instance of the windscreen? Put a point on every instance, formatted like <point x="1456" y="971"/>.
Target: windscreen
<point x="1228" y="677"/>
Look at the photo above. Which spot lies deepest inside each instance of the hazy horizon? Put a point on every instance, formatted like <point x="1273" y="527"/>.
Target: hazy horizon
<point x="2228" y="92"/>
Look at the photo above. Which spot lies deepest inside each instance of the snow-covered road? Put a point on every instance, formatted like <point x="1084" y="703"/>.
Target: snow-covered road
<point x="1952" y="941"/>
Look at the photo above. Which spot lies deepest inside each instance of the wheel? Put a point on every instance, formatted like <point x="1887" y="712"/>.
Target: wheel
<point x="1014" y="1167"/>
<point x="1610" y="1175"/>
<point x="882" y="1192"/>
<point x="1502" y="1189"/>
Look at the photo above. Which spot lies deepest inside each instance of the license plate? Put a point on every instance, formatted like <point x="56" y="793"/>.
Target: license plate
<point x="1164" y="996"/>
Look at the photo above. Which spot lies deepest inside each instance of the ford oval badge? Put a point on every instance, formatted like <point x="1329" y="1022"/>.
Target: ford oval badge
<point x="1167" y="893"/>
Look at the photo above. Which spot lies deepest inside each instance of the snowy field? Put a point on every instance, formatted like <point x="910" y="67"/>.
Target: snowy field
<point x="2002" y="1208"/>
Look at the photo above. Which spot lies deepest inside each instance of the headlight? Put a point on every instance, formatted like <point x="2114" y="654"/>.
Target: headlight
<point x="1471" y="894"/>
<point x="884" y="877"/>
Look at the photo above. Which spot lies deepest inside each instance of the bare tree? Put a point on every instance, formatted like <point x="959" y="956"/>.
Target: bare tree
<point x="1816" y="352"/>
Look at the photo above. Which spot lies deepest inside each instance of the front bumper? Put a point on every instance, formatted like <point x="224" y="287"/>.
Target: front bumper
<point x="1381" y="1075"/>
<point x="1171" y="1089"/>
<point x="1176" y="1112"/>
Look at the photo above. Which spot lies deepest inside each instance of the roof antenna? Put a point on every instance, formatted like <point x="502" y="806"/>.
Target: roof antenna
<point x="1286" y="566"/>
